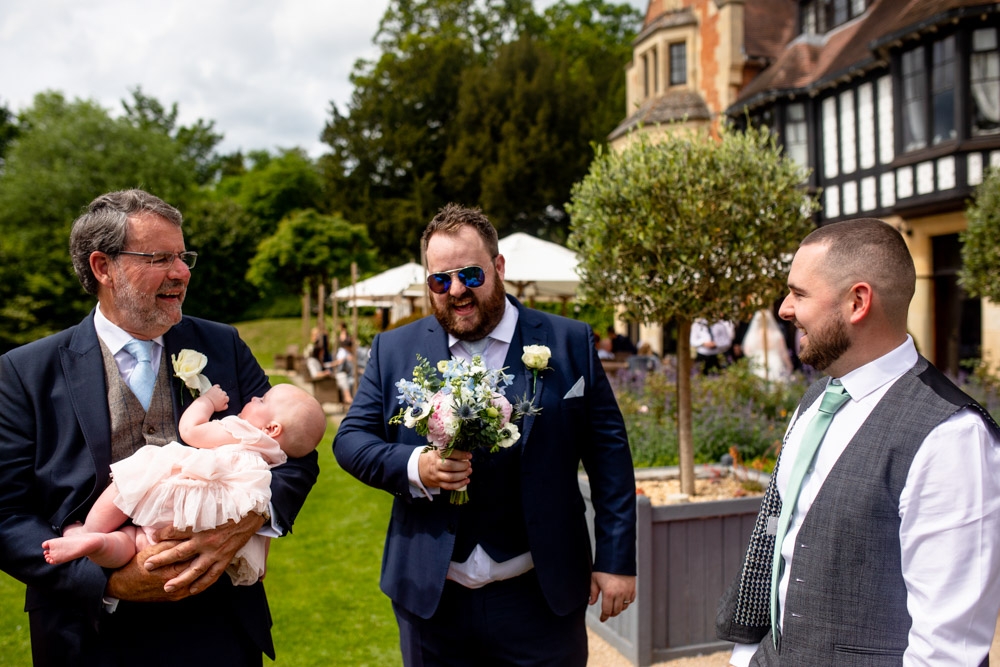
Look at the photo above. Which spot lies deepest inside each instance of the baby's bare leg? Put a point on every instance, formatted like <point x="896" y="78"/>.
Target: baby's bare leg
<point x="105" y="549"/>
<point x="104" y="516"/>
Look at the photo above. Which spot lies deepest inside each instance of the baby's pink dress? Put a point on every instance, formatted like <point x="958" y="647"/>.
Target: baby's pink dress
<point x="199" y="489"/>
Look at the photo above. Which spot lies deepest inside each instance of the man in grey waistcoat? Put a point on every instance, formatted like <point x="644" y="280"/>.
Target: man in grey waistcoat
<point x="888" y="548"/>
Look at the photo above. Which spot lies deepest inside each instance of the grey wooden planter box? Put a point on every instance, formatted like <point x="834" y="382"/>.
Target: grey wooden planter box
<point x="687" y="554"/>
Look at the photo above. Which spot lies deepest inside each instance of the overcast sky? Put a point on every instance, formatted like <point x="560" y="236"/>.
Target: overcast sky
<point x="264" y="70"/>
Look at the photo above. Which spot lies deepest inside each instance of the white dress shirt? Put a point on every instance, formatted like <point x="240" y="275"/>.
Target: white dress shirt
<point x="721" y="333"/>
<point x="950" y="519"/>
<point x="115" y="338"/>
<point x="479" y="569"/>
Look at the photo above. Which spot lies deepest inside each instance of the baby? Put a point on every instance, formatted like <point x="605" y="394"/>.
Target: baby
<point x="222" y="476"/>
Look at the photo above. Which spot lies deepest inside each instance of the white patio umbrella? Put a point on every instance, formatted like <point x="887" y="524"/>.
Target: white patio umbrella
<point x="539" y="269"/>
<point x="382" y="289"/>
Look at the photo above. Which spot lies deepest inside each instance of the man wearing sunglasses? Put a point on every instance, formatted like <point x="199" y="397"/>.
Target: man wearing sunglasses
<point x="73" y="403"/>
<point x="504" y="579"/>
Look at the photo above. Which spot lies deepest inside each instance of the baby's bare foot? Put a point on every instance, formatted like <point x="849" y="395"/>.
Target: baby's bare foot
<point x="66" y="548"/>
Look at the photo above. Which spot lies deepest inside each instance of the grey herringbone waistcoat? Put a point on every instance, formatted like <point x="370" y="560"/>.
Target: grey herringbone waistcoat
<point x="846" y="600"/>
<point x="131" y="426"/>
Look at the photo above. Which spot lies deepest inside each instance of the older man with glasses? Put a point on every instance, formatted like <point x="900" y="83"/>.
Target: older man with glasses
<point x="75" y="402"/>
<point x="505" y="578"/>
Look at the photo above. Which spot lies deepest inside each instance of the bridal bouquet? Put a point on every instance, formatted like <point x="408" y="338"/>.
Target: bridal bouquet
<point x="461" y="406"/>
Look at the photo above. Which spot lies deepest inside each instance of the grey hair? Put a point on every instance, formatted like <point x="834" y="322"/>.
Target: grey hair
<point x="104" y="228"/>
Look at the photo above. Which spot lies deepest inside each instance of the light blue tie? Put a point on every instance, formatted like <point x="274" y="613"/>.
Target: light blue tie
<point x="834" y="397"/>
<point x="143" y="378"/>
<point x="474" y="347"/>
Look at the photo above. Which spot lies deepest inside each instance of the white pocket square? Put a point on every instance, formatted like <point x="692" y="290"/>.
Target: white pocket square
<point x="576" y="390"/>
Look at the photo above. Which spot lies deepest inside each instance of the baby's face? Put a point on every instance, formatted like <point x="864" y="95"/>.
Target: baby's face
<point x="270" y="407"/>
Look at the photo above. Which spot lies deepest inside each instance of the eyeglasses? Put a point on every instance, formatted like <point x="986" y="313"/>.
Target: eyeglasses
<point x="164" y="260"/>
<point x="470" y="276"/>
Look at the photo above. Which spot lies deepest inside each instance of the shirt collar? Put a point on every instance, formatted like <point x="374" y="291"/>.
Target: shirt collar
<point x="862" y="381"/>
<point x="502" y="332"/>
<point x="113" y="335"/>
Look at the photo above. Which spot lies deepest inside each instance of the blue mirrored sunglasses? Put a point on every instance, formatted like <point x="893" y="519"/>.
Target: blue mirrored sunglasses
<point x="470" y="276"/>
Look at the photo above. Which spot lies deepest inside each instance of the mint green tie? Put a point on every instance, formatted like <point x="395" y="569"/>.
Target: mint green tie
<point x="834" y="397"/>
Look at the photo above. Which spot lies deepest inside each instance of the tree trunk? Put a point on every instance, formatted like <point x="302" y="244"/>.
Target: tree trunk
<point x="306" y="316"/>
<point x="354" y="330"/>
<point x="335" y="310"/>
<point x="321" y="307"/>
<point x="685" y="439"/>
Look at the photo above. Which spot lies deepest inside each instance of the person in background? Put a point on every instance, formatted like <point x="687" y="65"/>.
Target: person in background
<point x="505" y="578"/>
<point x="645" y="359"/>
<point x="878" y="541"/>
<point x="603" y="346"/>
<point x="318" y="347"/>
<point x="619" y="342"/>
<point x="711" y="343"/>
<point x="765" y="350"/>
<point x="343" y="370"/>
<point x="74" y="403"/>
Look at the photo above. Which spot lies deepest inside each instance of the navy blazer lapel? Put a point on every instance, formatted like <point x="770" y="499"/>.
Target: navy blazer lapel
<point x="529" y="332"/>
<point x="434" y="343"/>
<point x="83" y="369"/>
<point x="176" y="339"/>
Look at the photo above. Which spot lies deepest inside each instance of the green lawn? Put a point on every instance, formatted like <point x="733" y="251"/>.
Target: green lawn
<point x="269" y="337"/>
<point x="322" y="581"/>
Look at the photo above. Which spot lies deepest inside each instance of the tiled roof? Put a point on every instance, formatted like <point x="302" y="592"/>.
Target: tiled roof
<point x="809" y="62"/>
<point x="669" y="19"/>
<point x="769" y="26"/>
<point x="672" y="106"/>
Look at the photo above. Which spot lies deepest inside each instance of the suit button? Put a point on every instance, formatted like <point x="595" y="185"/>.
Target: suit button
<point x="151" y="430"/>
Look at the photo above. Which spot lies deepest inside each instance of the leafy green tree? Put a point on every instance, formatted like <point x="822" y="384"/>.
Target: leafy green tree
<point x="308" y="250"/>
<point x="274" y="186"/>
<point x="518" y="147"/>
<point x="595" y="38"/>
<point x="408" y="116"/>
<point x="225" y="236"/>
<point x="197" y="143"/>
<point x="981" y="241"/>
<point x="8" y="130"/>
<point x="64" y="155"/>
<point x="691" y="227"/>
<point x="390" y="146"/>
<point x="527" y="119"/>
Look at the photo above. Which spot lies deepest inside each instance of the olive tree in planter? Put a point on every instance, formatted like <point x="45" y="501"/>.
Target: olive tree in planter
<point x="690" y="226"/>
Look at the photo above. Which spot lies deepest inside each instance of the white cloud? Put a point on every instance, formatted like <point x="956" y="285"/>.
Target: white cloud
<point x="264" y="71"/>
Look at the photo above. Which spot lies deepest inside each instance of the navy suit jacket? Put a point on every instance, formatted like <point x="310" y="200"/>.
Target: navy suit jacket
<point x="55" y="453"/>
<point x="587" y="428"/>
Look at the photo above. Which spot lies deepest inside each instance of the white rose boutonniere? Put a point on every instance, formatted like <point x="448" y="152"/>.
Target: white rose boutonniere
<point x="188" y="366"/>
<point x="536" y="358"/>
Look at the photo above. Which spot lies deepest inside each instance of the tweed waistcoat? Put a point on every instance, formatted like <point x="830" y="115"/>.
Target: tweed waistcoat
<point x="131" y="426"/>
<point x="846" y="600"/>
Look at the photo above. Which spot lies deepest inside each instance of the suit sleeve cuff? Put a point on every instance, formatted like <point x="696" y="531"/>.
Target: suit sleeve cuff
<point x="270" y="527"/>
<point x="417" y="488"/>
